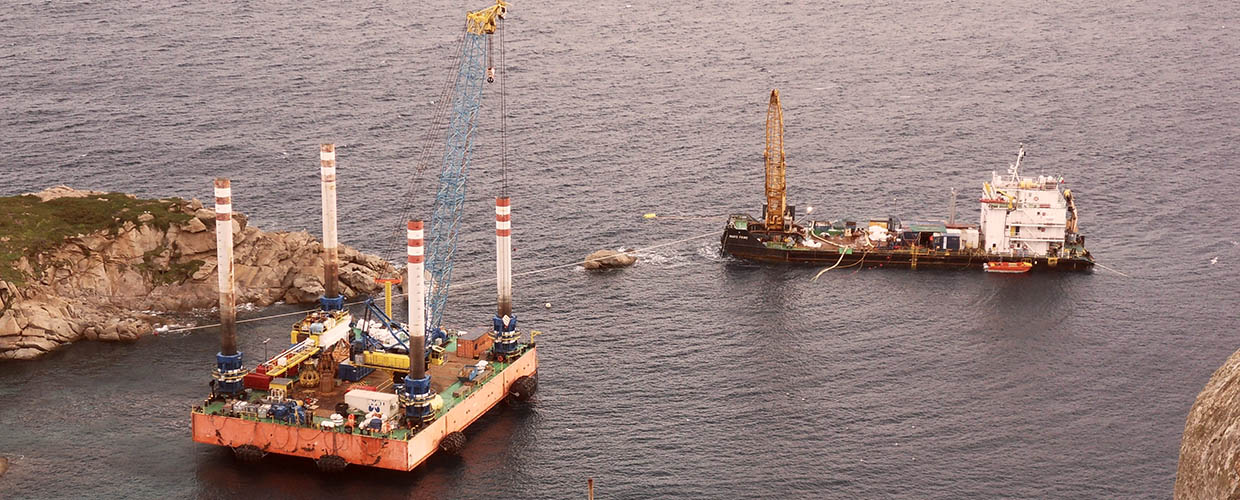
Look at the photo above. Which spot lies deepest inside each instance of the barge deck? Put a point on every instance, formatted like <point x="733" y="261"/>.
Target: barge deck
<point x="254" y="432"/>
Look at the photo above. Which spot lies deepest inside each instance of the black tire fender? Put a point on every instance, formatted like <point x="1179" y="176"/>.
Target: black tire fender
<point x="523" y="388"/>
<point x="452" y="443"/>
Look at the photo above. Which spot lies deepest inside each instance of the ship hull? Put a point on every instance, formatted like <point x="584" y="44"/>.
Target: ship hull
<point x="745" y="244"/>
<point x="359" y="449"/>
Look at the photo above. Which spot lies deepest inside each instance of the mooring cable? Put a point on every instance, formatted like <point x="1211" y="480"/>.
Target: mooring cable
<point x="457" y="286"/>
<point x="1112" y="270"/>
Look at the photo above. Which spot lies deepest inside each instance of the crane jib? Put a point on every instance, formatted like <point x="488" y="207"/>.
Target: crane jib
<point x="466" y="100"/>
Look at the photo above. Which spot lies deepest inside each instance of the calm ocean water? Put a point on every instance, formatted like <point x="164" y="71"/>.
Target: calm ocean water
<point x="687" y="375"/>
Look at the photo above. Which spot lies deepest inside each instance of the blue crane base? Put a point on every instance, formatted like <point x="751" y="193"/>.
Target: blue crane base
<point x="228" y="374"/>
<point x="417" y="399"/>
<point x="331" y="303"/>
<point x="506" y="336"/>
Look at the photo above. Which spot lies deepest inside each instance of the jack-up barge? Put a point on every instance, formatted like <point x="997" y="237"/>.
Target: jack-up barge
<point x="374" y="391"/>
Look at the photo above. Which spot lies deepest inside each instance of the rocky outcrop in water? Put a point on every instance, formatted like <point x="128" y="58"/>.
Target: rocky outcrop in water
<point x="608" y="259"/>
<point x="107" y="285"/>
<point x="1210" y="450"/>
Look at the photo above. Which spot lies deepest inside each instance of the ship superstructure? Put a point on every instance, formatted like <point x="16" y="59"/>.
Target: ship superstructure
<point x="1027" y="216"/>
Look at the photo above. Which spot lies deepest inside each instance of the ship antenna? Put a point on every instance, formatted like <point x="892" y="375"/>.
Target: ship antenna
<point x="1015" y="170"/>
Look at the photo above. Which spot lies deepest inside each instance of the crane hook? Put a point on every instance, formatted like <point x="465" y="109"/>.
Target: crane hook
<point x="491" y="75"/>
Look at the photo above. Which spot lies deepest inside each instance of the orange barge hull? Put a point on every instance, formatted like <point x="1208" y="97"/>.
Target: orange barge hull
<point x="387" y="453"/>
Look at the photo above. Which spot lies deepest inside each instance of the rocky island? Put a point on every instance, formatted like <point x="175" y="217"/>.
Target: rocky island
<point x="1209" y="464"/>
<point x="103" y="266"/>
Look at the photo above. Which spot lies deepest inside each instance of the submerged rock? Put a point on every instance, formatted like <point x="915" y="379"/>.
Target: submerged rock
<point x="608" y="259"/>
<point x="1210" y="449"/>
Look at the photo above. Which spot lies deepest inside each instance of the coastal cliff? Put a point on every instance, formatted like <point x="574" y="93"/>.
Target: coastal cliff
<point x="1210" y="449"/>
<point x="101" y="266"/>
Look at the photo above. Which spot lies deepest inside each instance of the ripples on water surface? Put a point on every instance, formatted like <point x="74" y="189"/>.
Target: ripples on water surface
<point x="688" y="375"/>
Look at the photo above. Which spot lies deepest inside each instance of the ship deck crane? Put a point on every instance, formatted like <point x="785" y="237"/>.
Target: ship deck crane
<point x="776" y="210"/>
<point x="1070" y="227"/>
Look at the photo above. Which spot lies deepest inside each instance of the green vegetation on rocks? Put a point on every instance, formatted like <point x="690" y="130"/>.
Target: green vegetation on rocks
<point x="173" y="272"/>
<point x="30" y="227"/>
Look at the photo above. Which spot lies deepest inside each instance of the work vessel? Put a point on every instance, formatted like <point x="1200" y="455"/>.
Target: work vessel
<point x="1027" y="223"/>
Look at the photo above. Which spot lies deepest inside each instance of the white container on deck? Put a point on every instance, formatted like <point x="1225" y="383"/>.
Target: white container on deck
<point x="368" y="401"/>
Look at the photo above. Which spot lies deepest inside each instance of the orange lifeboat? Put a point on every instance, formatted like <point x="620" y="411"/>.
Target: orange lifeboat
<point x="1007" y="267"/>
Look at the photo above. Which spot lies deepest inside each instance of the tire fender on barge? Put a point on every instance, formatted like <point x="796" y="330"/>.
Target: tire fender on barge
<point x="452" y="443"/>
<point x="249" y="453"/>
<point x="523" y="388"/>
<point x="331" y="463"/>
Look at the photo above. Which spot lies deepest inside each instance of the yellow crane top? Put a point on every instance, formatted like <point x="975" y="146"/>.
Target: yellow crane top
<point x="776" y="187"/>
<point x="482" y="22"/>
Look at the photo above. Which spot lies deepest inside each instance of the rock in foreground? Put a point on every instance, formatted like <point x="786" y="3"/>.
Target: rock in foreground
<point x="1210" y="449"/>
<point x="86" y="265"/>
<point x="608" y="259"/>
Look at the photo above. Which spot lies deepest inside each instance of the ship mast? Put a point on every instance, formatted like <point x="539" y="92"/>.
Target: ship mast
<point x="951" y="219"/>
<point x="776" y="189"/>
<point x="1015" y="168"/>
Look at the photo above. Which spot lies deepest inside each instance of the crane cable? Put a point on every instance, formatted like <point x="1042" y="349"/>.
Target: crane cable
<point x="503" y="114"/>
<point x="439" y="123"/>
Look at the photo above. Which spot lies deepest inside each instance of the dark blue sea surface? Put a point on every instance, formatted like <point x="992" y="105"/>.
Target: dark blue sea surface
<point x="688" y="375"/>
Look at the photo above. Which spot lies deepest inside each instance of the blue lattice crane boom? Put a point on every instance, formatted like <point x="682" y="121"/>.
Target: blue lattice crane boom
<point x="466" y="100"/>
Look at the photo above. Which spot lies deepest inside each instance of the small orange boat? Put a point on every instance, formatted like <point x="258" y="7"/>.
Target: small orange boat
<point x="1007" y="267"/>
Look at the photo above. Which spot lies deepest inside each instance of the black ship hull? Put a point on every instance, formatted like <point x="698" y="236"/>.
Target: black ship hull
<point x="750" y="245"/>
